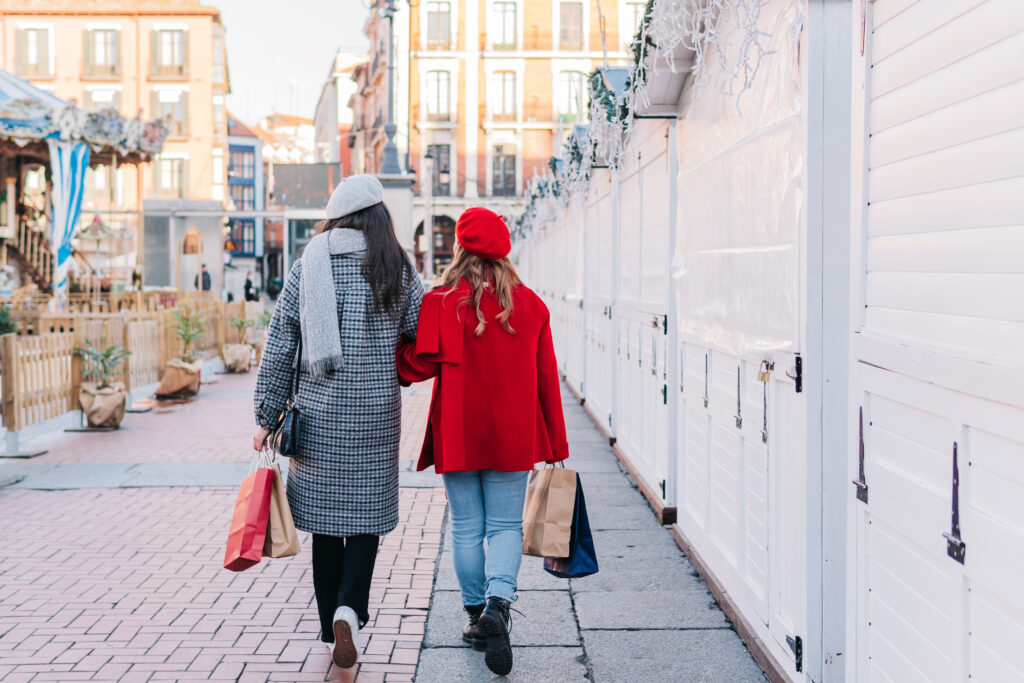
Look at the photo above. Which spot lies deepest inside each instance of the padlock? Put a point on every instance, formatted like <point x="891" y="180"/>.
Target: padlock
<point x="765" y="372"/>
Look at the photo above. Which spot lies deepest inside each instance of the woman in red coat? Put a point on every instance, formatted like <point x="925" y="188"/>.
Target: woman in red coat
<point x="495" y="412"/>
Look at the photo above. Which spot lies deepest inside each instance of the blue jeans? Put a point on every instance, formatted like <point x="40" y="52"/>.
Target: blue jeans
<point x="487" y="503"/>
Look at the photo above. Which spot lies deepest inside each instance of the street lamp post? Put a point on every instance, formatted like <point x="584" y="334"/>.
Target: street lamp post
<point x="389" y="164"/>
<point x="428" y="223"/>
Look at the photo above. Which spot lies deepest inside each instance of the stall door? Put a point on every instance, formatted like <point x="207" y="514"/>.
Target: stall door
<point x="938" y="368"/>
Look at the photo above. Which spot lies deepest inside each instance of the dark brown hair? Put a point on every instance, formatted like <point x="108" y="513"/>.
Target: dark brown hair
<point x="385" y="261"/>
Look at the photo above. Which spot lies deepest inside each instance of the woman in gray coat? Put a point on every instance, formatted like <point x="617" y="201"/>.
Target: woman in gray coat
<point x="346" y="300"/>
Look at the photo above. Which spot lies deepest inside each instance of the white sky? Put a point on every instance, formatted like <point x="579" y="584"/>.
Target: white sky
<point x="279" y="51"/>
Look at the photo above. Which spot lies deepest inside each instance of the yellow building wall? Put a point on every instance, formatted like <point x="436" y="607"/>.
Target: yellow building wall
<point x="135" y="83"/>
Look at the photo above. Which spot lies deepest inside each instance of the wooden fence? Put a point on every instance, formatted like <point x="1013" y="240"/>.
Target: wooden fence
<point x="42" y="375"/>
<point x="37" y="381"/>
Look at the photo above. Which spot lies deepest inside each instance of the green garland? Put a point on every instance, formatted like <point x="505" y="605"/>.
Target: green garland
<point x="638" y="76"/>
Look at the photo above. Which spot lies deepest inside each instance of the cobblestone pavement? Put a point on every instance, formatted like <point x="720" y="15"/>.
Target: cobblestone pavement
<point x="125" y="584"/>
<point x="645" y="616"/>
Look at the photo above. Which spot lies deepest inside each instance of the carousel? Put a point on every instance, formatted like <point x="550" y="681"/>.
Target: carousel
<point x="47" y="247"/>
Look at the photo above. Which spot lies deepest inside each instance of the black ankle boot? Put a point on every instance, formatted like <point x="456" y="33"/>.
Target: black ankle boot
<point x="469" y="631"/>
<point x="493" y="625"/>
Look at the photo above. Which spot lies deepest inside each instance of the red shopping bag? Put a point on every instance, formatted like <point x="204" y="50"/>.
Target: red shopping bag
<point x="249" y="523"/>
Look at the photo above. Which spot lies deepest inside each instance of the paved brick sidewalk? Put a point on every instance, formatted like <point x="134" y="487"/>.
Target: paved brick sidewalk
<point x="126" y="584"/>
<point x="217" y="426"/>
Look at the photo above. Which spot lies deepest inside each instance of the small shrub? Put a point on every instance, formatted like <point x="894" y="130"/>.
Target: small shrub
<point x="101" y="364"/>
<point x="241" y="324"/>
<point x="188" y="327"/>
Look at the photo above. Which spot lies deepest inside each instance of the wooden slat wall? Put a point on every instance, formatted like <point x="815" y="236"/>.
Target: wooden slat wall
<point x="37" y="378"/>
<point x="142" y="338"/>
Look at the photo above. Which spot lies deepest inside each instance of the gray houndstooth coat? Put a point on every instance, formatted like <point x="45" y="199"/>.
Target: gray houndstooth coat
<point x="345" y="480"/>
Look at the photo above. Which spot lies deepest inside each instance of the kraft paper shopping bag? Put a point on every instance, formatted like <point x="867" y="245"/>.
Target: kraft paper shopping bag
<point x="547" y="514"/>
<point x="282" y="539"/>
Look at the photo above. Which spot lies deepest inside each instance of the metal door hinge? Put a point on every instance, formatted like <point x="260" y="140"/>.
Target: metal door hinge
<point x="664" y="394"/>
<point x="861" y="482"/>
<point x="796" y="373"/>
<point x="955" y="546"/>
<point x="662" y="485"/>
<point x="664" y="323"/>
<point x="796" y="644"/>
<point x="739" y="399"/>
<point x="707" y="378"/>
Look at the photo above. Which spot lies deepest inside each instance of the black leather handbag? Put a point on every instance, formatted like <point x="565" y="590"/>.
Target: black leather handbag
<point x="285" y="439"/>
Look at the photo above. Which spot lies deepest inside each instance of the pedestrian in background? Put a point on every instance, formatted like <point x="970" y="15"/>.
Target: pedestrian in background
<point x="342" y="310"/>
<point x="496" y="411"/>
<point x="207" y="282"/>
<point x="250" y="288"/>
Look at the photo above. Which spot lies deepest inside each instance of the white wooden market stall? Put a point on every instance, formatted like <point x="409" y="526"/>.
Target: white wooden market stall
<point x="818" y="388"/>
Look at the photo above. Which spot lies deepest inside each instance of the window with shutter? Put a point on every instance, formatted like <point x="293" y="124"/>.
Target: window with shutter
<point x="503" y="95"/>
<point x="170" y="178"/>
<point x="438" y="96"/>
<point x="442" y="169"/>
<point x="570" y="26"/>
<point x="181" y="112"/>
<point x="102" y="53"/>
<point x="102" y="99"/>
<point x="635" y="16"/>
<point x="169" y="54"/>
<point x="504" y="24"/>
<point x="503" y="171"/>
<point x="439" y="23"/>
<point x="172" y="106"/>
<point x="33" y="52"/>
<point x="571" y="96"/>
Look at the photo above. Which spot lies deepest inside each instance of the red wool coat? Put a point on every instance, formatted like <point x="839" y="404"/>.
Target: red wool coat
<point x="496" y="401"/>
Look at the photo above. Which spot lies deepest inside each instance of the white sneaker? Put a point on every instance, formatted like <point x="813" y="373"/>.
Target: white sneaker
<point x="346" y="638"/>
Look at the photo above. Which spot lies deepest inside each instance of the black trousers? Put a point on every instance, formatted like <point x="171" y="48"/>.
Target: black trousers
<point x="342" y="570"/>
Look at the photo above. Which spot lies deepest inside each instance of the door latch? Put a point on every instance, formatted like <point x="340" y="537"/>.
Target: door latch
<point x="955" y="546"/>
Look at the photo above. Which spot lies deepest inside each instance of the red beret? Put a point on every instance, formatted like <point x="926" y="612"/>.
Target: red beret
<point x="483" y="233"/>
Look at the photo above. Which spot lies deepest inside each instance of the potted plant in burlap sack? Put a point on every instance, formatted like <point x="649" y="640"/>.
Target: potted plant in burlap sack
<point x="256" y="336"/>
<point x="182" y="375"/>
<point x="102" y="400"/>
<point x="238" y="356"/>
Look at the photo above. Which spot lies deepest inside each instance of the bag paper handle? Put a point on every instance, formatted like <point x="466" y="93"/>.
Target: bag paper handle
<point x="265" y="458"/>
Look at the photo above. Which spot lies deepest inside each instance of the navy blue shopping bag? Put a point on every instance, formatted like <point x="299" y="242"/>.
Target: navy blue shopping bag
<point x="582" y="560"/>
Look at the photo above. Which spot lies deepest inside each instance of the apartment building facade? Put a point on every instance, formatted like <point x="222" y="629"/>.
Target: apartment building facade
<point x="493" y="89"/>
<point x="157" y="58"/>
<point x="333" y="120"/>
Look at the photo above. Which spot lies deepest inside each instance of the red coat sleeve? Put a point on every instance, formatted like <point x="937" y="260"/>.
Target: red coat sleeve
<point x="550" y="395"/>
<point x="410" y="367"/>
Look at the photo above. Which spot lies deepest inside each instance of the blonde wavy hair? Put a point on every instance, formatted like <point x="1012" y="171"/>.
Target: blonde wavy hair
<point x="481" y="275"/>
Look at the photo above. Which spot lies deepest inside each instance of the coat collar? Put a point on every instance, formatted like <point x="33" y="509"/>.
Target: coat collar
<point x="440" y="328"/>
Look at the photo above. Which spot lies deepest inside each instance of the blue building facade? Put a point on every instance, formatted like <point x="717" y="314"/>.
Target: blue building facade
<point x="247" y="192"/>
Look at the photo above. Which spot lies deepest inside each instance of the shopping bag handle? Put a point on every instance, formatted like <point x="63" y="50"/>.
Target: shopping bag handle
<point x="265" y="458"/>
<point x="560" y="463"/>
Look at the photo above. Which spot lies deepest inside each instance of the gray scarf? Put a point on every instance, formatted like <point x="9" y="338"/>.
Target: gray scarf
<point x="318" y="300"/>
